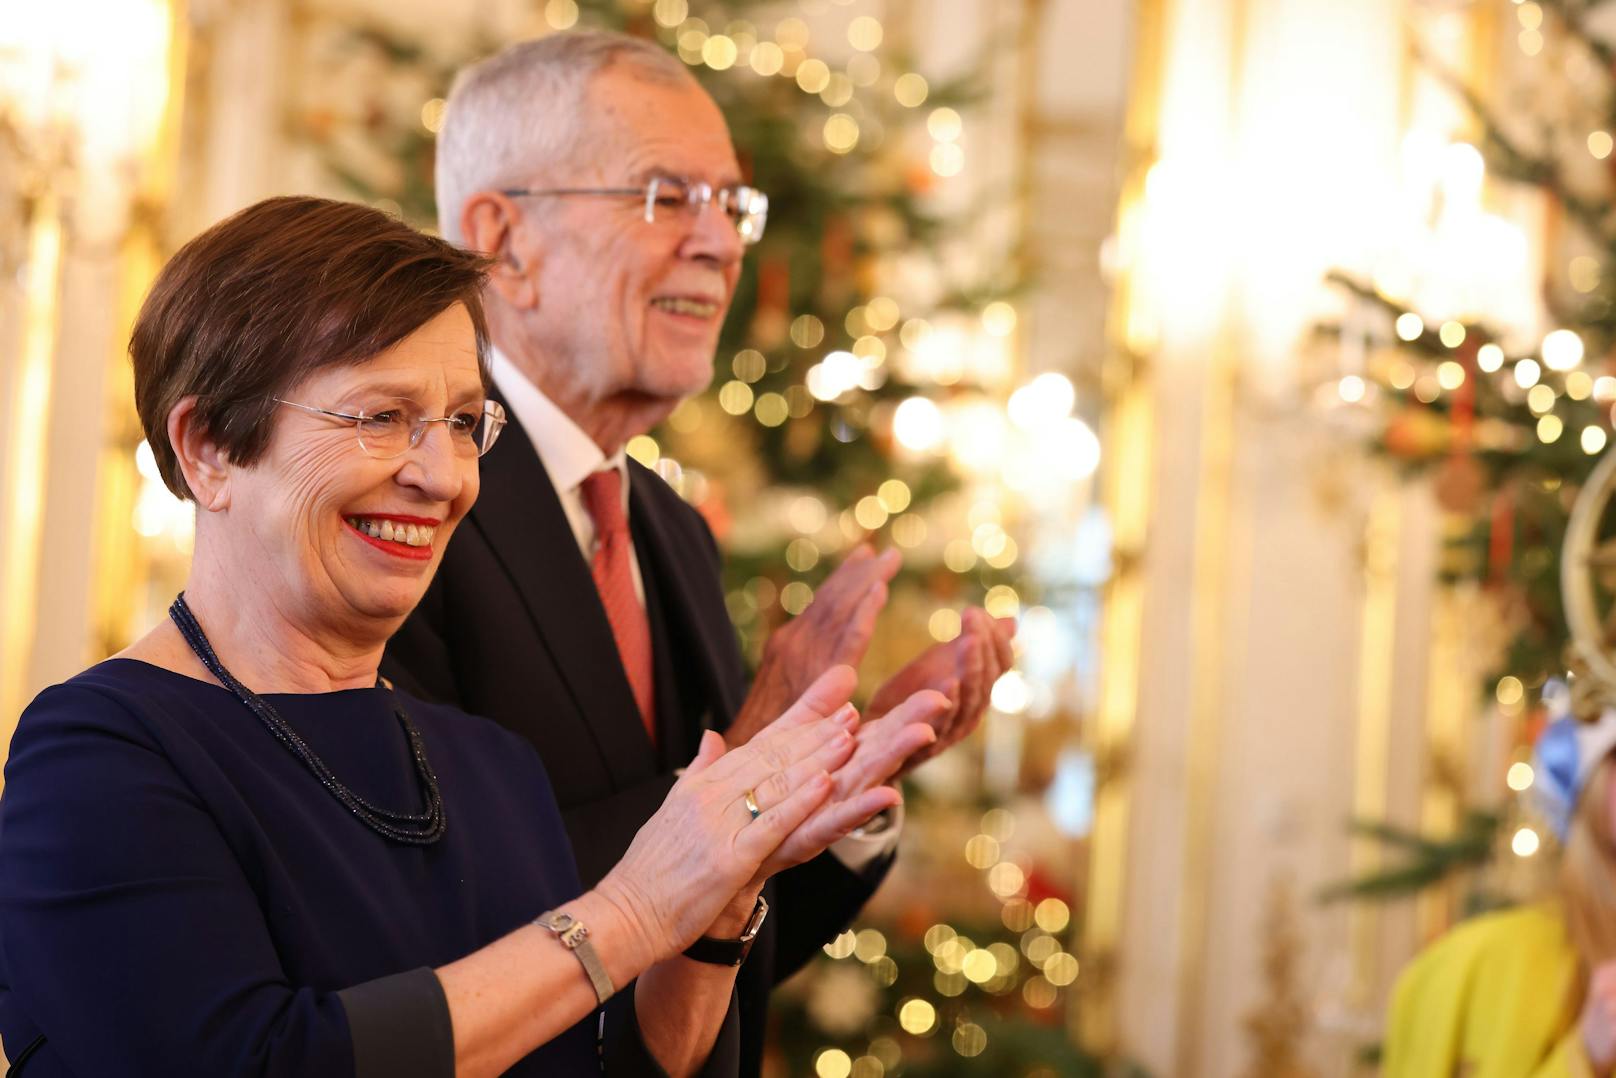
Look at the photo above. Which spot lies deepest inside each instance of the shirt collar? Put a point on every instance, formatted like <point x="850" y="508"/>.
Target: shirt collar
<point x="569" y="455"/>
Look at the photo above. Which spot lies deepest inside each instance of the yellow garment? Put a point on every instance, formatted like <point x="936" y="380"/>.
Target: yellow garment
<point x="1491" y="999"/>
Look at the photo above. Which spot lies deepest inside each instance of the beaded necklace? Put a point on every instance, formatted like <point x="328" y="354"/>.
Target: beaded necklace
<point x="414" y="829"/>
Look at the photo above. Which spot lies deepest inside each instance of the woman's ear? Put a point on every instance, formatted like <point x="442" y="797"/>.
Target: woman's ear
<point x="203" y="463"/>
<point x="491" y="223"/>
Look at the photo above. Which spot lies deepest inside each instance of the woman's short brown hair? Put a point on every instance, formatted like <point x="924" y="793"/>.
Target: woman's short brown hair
<point x="271" y="294"/>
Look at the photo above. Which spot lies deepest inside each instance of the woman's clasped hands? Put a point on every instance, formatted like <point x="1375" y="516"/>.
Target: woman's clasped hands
<point x="812" y="777"/>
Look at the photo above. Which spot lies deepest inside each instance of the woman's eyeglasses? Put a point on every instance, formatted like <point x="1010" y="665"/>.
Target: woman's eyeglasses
<point x="395" y="425"/>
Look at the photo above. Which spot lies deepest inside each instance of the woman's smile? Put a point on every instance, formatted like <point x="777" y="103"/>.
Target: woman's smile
<point x="399" y="535"/>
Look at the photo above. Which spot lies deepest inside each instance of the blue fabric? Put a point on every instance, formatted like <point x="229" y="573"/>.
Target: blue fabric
<point x="179" y="896"/>
<point x="1558" y="774"/>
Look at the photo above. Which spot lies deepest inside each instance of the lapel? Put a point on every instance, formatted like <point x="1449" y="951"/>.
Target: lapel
<point x="519" y="515"/>
<point x="691" y="592"/>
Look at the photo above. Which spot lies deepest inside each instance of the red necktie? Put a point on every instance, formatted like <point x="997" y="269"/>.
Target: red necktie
<point x="614" y="579"/>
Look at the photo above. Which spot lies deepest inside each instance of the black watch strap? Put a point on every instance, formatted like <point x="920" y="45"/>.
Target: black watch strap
<point x="730" y="952"/>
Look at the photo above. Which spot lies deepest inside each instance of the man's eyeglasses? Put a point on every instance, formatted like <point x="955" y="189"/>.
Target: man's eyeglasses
<point x="394" y="425"/>
<point x="669" y="200"/>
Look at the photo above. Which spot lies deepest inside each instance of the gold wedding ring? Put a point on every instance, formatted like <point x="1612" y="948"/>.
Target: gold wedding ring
<point x="750" y="797"/>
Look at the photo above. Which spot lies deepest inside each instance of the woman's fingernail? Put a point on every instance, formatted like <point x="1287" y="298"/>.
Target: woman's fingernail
<point x="847" y="715"/>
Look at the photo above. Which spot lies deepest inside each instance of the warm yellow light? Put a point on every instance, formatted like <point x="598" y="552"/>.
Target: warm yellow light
<point x="735" y="397"/>
<point x="1402" y="375"/>
<point x="432" y="114"/>
<point x="813" y="76"/>
<point x="807" y="331"/>
<point x="670" y="13"/>
<point x="917" y="423"/>
<point x="909" y="530"/>
<point x="802" y="554"/>
<point x="1010" y="694"/>
<point x="1045" y="400"/>
<point x="936" y="936"/>
<point x="864" y="33"/>
<point x="944" y="624"/>
<point x="979" y="966"/>
<point x="841" y="133"/>
<point x="1351" y="389"/>
<point x="841" y="946"/>
<point x="1039" y="947"/>
<point x="1061" y="969"/>
<point x="1605" y="389"/>
<point x="910" y="90"/>
<point x="796" y="596"/>
<point x="807" y="514"/>
<point x="1529" y="14"/>
<point x="870" y="513"/>
<point x="1527" y="372"/>
<point x="959" y="557"/>
<point x="561" y="14"/>
<point x="1525" y="842"/>
<point x="1562" y="350"/>
<point x="838" y="91"/>
<point x="1510" y="691"/>
<point x="1549" y="429"/>
<point x="643" y="448"/>
<point x="970" y="1040"/>
<point x="1052" y="915"/>
<point x="1593" y="439"/>
<point x="833" y="1063"/>
<point x="1530" y="41"/>
<point x="881" y="313"/>
<point x="1579" y="385"/>
<point x="1600" y="144"/>
<point x="792" y="33"/>
<point x="917" y="1017"/>
<point x="944" y="124"/>
<point x="767" y="58"/>
<point x="947" y="159"/>
<point x="1039" y="993"/>
<point x="1017" y="915"/>
<point x="1520" y="776"/>
<point x="1006" y="879"/>
<point x="1002" y="601"/>
<point x="1452" y="334"/>
<point x="982" y="851"/>
<point x="999" y="318"/>
<point x="1490" y="357"/>
<point x="719" y="52"/>
<point x="894" y="494"/>
<point x="1540" y="399"/>
<point x="868" y="945"/>
<point x="1450" y="375"/>
<point x="1409" y="326"/>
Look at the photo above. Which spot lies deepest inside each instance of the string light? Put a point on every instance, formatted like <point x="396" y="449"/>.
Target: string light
<point x="910" y="90"/>
<point x="1490" y="358"/>
<point x="1525" y="843"/>
<point x="1520" y="776"/>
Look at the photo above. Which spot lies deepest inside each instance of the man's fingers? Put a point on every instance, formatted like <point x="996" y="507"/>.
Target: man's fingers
<point x="829" y="691"/>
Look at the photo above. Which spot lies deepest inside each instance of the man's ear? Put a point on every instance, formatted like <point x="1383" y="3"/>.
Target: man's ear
<point x="203" y="463"/>
<point x="491" y="223"/>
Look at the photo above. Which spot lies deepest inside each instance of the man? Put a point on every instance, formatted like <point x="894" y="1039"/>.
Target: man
<point x="581" y="605"/>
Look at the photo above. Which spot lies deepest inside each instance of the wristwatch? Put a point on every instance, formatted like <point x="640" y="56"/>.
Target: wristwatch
<point x="575" y="938"/>
<point x="730" y="952"/>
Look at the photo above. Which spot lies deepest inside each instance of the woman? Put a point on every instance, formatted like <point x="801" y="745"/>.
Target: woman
<point x="231" y="850"/>
<point x="1529" y="992"/>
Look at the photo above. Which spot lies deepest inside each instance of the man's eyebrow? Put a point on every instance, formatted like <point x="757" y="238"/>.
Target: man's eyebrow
<point x="657" y="172"/>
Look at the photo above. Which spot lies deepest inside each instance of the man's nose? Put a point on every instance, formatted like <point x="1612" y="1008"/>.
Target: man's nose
<point x="713" y="236"/>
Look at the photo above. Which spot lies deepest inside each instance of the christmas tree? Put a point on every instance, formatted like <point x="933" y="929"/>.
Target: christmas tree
<point x="1462" y="386"/>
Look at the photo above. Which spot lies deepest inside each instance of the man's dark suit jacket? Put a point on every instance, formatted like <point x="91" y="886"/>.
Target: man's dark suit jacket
<point x="512" y="628"/>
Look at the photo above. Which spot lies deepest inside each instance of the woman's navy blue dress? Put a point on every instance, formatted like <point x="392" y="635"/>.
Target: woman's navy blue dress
<point x="179" y="895"/>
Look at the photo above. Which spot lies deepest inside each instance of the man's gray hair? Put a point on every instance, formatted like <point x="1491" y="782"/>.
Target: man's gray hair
<point x="512" y="115"/>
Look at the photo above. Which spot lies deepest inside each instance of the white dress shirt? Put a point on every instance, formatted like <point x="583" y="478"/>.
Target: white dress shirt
<point x="570" y="456"/>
